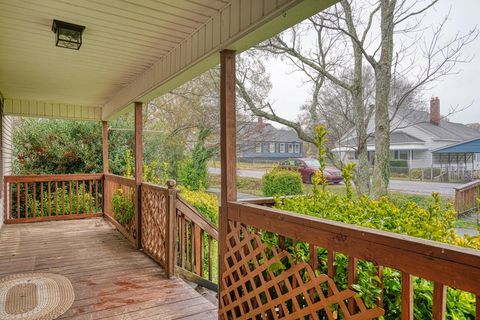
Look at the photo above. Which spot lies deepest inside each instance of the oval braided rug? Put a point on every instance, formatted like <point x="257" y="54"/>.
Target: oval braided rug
<point x="35" y="296"/>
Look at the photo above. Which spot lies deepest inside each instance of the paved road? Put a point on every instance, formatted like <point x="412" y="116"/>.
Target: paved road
<point x="414" y="187"/>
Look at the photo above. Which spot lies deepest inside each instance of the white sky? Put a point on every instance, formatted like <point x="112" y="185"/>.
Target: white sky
<point x="461" y="89"/>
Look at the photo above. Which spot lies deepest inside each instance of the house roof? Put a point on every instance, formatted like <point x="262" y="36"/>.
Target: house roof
<point x="396" y="137"/>
<point x="446" y="130"/>
<point x="470" y="146"/>
<point x="255" y="132"/>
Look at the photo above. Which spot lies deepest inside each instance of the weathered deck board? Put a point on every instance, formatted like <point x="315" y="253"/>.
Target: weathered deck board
<point x="110" y="278"/>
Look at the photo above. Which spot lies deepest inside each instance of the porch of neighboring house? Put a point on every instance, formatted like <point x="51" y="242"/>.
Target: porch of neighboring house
<point x="134" y="272"/>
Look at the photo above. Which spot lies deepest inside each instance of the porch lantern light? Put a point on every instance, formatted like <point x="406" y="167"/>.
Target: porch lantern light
<point x="67" y="35"/>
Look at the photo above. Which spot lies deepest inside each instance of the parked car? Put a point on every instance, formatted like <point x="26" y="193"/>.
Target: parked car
<point x="307" y="168"/>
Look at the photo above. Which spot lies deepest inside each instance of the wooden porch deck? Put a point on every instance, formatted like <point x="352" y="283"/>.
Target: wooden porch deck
<point x="110" y="278"/>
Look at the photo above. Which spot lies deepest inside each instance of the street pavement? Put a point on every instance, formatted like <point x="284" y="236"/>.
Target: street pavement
<point x="405" y="186"/>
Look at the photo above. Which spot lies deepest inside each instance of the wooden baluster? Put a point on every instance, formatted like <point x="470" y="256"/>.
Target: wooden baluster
<point x="380" y="285"/>
<point x="281" y="242"/>
<point x="5" y="201"/>
<point x="63" y="197"/>
<point x="330" y="267"/>
<point x="26" y="199"/>
<point x="90" y="202"/>
<point x="407" y="296"/>
<point x="313" y="256"/>
<point x="77" y="200"/>
<point x="34" y="213"/>
<point x="41" y="199"/>
<point x="49" y="194"/>
<point x="96" y="196"/>
<point x="19" y="186"/>
<point x="71" y="197"/>
<point x="182" y="241"/>
<point x="10" y="205"/>
<point x="439" y="301"/>
<point x="352" y="279"/>
<point x="192" y="246"/>
<point x="83" y="194"/>
<point x="198" y="249"/>
<point x="56" y="198"/>
<point x="478" y="308"/>
<point x="210" y="259"/>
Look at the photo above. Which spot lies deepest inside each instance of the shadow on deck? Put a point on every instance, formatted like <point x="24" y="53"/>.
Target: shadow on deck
<point x="110" y="278"/>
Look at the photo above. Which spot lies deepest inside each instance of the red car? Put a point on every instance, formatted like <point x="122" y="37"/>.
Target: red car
<point x="307" y="168"/>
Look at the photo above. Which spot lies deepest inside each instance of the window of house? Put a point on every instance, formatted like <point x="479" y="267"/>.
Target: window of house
<point x="282" y="147"/>
<point x="272" y="147"/>
<point x="297" y="147"/>
<point x="258" y="148"/>
<point x="400" y="154"/>
<point x="290" y="148"/>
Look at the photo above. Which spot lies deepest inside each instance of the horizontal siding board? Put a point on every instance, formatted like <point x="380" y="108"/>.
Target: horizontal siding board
<point x="40" y="109"/>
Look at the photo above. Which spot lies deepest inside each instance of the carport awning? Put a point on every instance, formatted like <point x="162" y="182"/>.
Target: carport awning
<point x="470" y="146"/>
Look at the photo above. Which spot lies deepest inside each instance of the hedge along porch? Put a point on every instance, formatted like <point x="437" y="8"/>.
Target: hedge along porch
<point x="129" y="74"/>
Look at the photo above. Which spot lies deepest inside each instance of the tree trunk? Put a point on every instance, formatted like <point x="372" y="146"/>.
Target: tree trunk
<point x="383" y="77"/>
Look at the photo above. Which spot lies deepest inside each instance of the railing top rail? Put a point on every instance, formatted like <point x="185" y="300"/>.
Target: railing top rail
<point x="155" y="186"/>
<point x="443" y="263"/>
<point x="130" y="182"/>
<point x="468" y="185"/>
<point x="54" y="177"/>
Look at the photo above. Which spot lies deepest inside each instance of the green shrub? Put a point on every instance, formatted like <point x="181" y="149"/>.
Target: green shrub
<point x="206" y="203"/>
<point x="123" y="207"/>
<point x="280" y="182"/>
<point x="399" y="163"/>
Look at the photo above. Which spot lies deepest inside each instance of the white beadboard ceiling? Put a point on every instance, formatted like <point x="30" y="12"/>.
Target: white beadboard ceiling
<point x="131" y="48"/>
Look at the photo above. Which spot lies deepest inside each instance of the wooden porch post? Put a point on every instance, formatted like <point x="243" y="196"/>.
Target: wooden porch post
<point x="138" y="172"/>
<point x="228" y="149"/>
<point x="105" y="146"/>
<point x="105" y="162"/>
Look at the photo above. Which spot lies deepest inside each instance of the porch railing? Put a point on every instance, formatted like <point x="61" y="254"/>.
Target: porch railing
<point x="197" y="245"/>
<point x="52" y="197"/>
<point x="466" y="197"/>
<point x="119" y="192"/>
<point x="253" y="285"/>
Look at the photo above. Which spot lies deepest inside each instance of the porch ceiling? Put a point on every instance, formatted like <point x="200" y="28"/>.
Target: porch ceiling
<point x="132" y="49"/>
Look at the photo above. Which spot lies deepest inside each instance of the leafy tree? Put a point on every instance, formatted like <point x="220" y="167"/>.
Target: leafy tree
<point x="194" y="172"/>
<point x="45" y="146"/>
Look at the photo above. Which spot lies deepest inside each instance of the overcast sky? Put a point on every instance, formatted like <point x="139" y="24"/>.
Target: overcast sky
<point x="461" y="89"/>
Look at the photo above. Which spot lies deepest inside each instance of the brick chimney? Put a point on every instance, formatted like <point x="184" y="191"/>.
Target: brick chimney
<point x="435" y="111"/>
<point x="261" y="124"/>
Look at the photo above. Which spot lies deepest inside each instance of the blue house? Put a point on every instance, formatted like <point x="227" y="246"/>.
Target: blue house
<point x="260" y="141"/>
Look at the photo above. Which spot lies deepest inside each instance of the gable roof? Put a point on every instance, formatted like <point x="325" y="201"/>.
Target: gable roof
<point x="446" y="130"/>
<point x="255" y="132"/>
<point x="396" y="137"/>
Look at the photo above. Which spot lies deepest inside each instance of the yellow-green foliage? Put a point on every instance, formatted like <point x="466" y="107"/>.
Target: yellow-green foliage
<point x="281" y="182"/>
<point x="434" y="221"/>
<point x="122" y="206"/>
<point x="206" y="203"/>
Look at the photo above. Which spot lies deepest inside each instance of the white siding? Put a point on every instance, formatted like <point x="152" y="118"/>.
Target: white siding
<point x="6" y="157"/>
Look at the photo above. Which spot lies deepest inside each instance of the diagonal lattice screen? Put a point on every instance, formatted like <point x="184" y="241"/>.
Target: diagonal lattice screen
<point x="154" y="223"/>
<point x="256" y="285"/>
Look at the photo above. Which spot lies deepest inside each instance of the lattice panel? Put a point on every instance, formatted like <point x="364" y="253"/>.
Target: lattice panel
<point x="154" y="223"/>
<point x="253" y="288"/>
